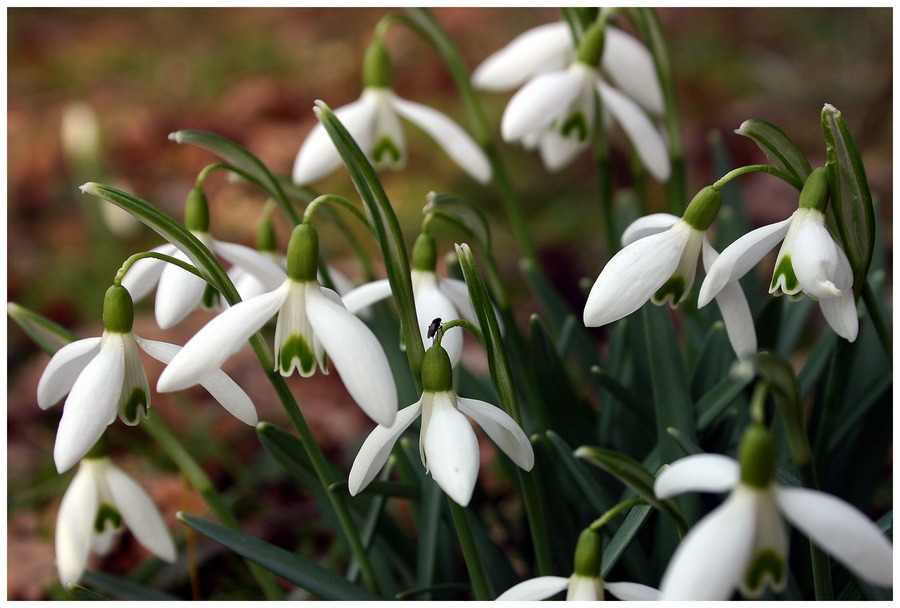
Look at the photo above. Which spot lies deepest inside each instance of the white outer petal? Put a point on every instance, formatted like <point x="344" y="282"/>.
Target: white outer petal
<point x="360" y="298"/>
<point x="458" y="293"/>
<point x="814" y="257"/>
<point x="318" y="157"/>
<point x="842" y="530"/>
<point x="92" y="404"/>
<point x="356" y="354"/>
<point x="737" y="259"/>
<point x="632" y="592"/>
<point x="178" y="293"/>
<point x="541" y="49"/>
<point x="644" y="136"/>
<point x="539" y="588"/>
<point x="697" y="473"/>
<point x="735" y="310"/>
<point x="535" y="105"/>
<point x="634" y="274"/>
<point x="377" y="448"/>
<point x="712" y="558"/>
<point x="630" y="65"/>
<point x="431" y="303"/>
<point x="219" y="339"/>
<point x="558" y="151"/>
<point x="455" y="141"/>
<point x="144" y="274"/>
<point x="501" y="428"/>
<point x="63" y="370"/>
<point x="648" y="225"/>
<point x="139" y="513"/>
<point x="841" y="315"/>
<point x="267" y="272"/>
<point x="219" y="384"/>
<point x="451" y="450"/>
<point x="74" y="525"/>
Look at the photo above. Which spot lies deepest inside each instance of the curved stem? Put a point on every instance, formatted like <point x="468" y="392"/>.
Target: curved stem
<point x="457" y="323"/>
<point x="337" y="200"/>
<point x="749" y="169"/>
<point x="611" y="513"/>
<point x="207" y="171"/>
<point x="159" y="256"/>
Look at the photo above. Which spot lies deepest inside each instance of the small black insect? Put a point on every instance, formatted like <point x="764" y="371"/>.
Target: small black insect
<point x="434" y="327"/>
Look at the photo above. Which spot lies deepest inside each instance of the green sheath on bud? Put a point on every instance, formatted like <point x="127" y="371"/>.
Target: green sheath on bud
<point x="424" y="253"/>
<point x="196" y="211"/>
<point x="377" y="66"/>
<point x="703" y="208"/>
<point x="756" y="454"/>
<point x="118" y="310"/>
<point x="590" y="50"/>
<point x="437" y="372"/>
<point x="815" y="190"/>
<point x="303" y="253"/>
<point x="588" y="554"/>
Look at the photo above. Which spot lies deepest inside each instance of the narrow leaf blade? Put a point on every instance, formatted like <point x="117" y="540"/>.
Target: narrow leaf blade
<point x="778" y="148"/>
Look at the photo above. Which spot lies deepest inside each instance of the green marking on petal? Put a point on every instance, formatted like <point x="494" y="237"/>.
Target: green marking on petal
<point x="785" y="269"/>
<point x="575" y="122"/>
<point x="106" y="513"/>
<point x="297" y="348"/>
<point x="135" y="407"/>
<point x="672" y="290"/>
<point x="767" y="565"/>
<point x="385" y="146"/>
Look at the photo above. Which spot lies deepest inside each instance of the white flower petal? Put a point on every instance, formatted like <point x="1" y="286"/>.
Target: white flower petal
<point x="63" y="369"/>
<point x="535" y="105"/>
<point x="558" y="151"/>
<point x="455" y="141"/>
<point x="770" y="541"/>
<point x="364" y="296"/>
<point x="644" y="136"/>
<point x="267" y="272"/>
<point x="92" y="404"/>
<point x="179" y="292"/>
<point x="539" y="588"/>
<point x="387" y="147"/>
<point x="648" y="225"/>
<point x="451" y="450"/>
<point x="584" y="589"/>
<point x="841" y="315"/>
<point x="144" y="274"/>
<point x="712" y="558"/>
<point x="737" y="259"/>
<point x="74" y="526"/>
<point x="541" y="49"/>
<point x="842" y="530"/>
<point x="633" y="275"/>
<point x="458" y="293"/>
<point x="377" y="448"/>
<point x="139" y="513"/>
<point x="632" y="592"/>
<point x="501" y="428"/>
<point x="697" y="473"/>
<point x="735" y="310"/>
<point x="814" y="257"/>
<point x="630" y="65"/>
<point x="356" y="355"/>
<point x="432" y="303"/>
<point x="318" y="157"/>
<point x="218" y="340"/>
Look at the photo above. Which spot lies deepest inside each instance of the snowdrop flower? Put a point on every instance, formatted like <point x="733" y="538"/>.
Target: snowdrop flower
<point x="179" y="292"/>
<point x="743" y="543"/>
<point x="554" y="111"/>
<point x="435" y="297"/>
<point x="100" y="499"/>
<point x="311" y="322"/>
<point x="659" y="263"/>
<point x="374" y="122"/>
<point x="104" y="376"/>
<point x="586" y="583"/>
<point x="447" y="443"/>
<point x="809" y="260"/>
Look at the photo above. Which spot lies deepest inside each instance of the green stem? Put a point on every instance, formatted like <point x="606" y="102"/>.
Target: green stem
<point x="207" y="171"/>
<point x="337" y="200"/>
<point x="197" y="477"/>
<point x="613" y="512"/>
<point x="874" y="308"/>
<point x="749" y="169"/>
<point x="470" y="552"/>
<point x="536" y="522"/>
<point x="159" y="256"/>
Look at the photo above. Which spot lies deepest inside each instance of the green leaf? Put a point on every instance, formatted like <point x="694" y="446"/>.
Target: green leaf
<point x="247" y="165"/>
<point x="287" y="450"/>
<point x="631" y="473"/>
<point x="48" y="335"/>
<point x="463" y="214"/>
<point x="717" y="400"/>
<point x="388" y="489"/>
<point x="851" y="200"/>
<point x="86" y="595"/>
<point x="778" y="148"/>
<point x="301" y="571"/>
<point x="123" y="588"/>
<point x="633" y="523"/>
<point x="597" y="498"/>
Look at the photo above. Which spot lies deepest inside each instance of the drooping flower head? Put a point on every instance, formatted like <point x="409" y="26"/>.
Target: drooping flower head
<point x="743" y="543"/>
<point x="586" y="583"/>
<point x="97" y="504"/>
<point x="447" y="443"/>
<point x="659" y="263"/>
<point x="178" y="292"/>
<point x="374" y="123"/>
<point x="554" y="111"/>
<point x="311" y="321"/>
<point x="809" y="262"/>
<point x="104" y="377"/>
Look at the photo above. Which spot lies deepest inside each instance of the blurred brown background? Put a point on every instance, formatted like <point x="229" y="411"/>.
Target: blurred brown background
<point x="252" y="75"/>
